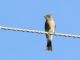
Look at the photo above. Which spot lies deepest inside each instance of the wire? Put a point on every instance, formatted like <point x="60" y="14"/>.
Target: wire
<point x="39" y="32"/>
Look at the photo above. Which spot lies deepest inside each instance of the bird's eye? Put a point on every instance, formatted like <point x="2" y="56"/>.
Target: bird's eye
<point x="49" y="16"/>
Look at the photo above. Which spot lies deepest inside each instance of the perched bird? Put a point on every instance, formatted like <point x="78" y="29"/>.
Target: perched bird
<point x="50" y="28"/>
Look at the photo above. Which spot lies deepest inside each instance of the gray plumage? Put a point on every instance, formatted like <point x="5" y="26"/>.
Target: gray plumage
<point x="49" y="27"/>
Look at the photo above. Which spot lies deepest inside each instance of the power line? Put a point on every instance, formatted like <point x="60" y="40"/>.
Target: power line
<point x="39" y="32"/>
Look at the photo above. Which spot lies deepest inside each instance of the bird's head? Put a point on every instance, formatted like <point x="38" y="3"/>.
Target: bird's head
<point x="48" y="17"/>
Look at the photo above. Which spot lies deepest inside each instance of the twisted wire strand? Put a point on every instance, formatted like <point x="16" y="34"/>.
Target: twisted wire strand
<point x="39" y="32"/>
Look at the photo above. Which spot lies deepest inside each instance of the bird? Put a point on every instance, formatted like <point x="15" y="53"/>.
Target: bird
<point x="50" y="27"/>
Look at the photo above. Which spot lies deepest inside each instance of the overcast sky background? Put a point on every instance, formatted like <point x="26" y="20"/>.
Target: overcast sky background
<point x="29" y="14"/>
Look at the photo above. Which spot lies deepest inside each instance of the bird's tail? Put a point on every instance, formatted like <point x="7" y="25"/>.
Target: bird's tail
<point x="49" y="45"/>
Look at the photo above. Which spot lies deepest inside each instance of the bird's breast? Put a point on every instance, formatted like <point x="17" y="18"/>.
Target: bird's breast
<point x="51" y="23"/>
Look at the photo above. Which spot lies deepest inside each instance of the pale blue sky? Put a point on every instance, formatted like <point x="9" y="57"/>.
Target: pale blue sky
<point x="29" y="14"/>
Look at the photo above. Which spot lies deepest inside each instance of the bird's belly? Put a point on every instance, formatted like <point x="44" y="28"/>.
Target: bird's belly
<point x="52" y="26"/>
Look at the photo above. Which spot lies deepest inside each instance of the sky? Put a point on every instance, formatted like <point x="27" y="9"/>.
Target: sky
<point x="29" y="14"/>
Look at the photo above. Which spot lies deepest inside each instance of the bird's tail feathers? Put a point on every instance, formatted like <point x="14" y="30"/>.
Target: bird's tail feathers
<point x="49" y="45"/>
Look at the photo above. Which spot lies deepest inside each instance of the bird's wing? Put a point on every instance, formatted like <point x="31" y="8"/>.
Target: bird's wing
<point x="47" y="27"/>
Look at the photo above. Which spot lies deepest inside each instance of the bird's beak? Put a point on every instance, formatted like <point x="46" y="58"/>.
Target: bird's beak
<point x="44" y="16"/>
